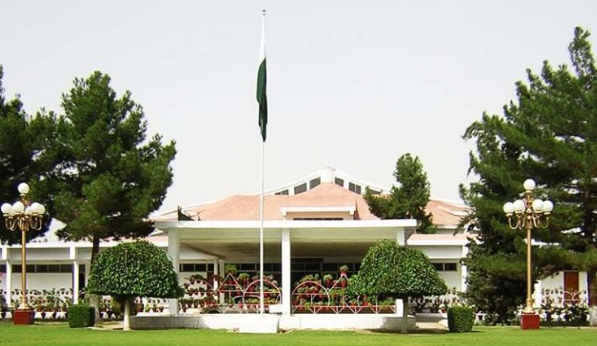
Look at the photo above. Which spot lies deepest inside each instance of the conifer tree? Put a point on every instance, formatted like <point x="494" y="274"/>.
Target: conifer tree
<point x="113" y="177"/>
<point x="24" y="157"/>
<point x="409" y="199"/>
<point x="549" y="134"/>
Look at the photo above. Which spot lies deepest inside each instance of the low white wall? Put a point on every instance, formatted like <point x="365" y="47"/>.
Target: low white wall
<point x="298" y="321"/>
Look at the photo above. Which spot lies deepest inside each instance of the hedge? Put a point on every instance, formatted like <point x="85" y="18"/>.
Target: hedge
<point x="80" y="316"/>
<point x="460" y="319"/>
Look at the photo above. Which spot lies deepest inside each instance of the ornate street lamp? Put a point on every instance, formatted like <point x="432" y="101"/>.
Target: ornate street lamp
<point x="526" y="214"/>
<point x="23" y="216"/>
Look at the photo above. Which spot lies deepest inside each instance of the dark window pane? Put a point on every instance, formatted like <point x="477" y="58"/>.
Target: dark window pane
<point x="30" y="268"/>
<point x="438" y="266"/>
<point x="2" y="268"/>
<point x="210" y="268"/>
<point x="352" y="187"/>
<point x="313" y="266"/>
<point x="54" y="268"/>
<point x="329" y="267"/>
<point x="284" y="192"/>
<point x="450" y="267"/>
<point x="314" y="182"/>
<point x="300" y="188"/>
<point x="81" y="268"/>
<point x="66" y="268"/>
<point x="277" y="267"/>
<point x="200" y="267"/>
<point x="41" y="268"/>
<point x="298" y="266"/>
<point x="358" y="189"/>
<point x="16" y="268"/>
<point x="247" y="266"/>
<point x="339" y="181"/>
<point x="187" y="267"/>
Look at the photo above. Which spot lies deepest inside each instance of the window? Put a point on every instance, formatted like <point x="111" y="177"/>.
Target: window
<point x="450" y="267"/>
<point x="300" y="188"/>
<point x="314" y="182"/>
<point x="196" y="267"/>
<point x="47" y="268"/>
<point x="339" y="181"/>
<point x="284" y="192"/>
<point x="354" y="188"/>
<point x="2" y="268"/>
<point x="445" y="267"/>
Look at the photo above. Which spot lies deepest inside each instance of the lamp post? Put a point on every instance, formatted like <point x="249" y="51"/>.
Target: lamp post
<point x="23" y="216"/>
<point x="526" y="214"/>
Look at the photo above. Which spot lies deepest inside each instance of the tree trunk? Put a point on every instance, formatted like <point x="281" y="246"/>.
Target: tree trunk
<point x="592" y="288"/>
<point x="127" y="314"/>
<point x="405" y="315"/>
<point x="94" y="299"/>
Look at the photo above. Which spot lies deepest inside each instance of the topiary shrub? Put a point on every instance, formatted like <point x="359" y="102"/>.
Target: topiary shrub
<point x="460" y="319"/>
<point x="80" y="316"/>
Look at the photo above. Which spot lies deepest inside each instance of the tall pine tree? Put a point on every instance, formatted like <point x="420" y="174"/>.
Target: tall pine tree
<point x="550" y="134"/>
<point x="409" y="199"/>
<point x="25" y="156"/>
<point x="113" y="177"/>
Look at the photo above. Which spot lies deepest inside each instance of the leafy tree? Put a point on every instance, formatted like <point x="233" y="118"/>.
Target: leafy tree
<point x="389" y="269"/>
<point x="24" y="157"/>
<point x="131" y="270"/>
<point x="113" y="178"/>
<point x="550" y="134"/>
<point x="407" y="200"/>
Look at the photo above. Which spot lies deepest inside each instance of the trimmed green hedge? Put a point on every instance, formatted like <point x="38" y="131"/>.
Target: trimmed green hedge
<point x="80" y="316"/>
<point x="461" y="319"/>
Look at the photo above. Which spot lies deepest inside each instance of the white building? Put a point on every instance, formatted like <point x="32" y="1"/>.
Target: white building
<point x="314" y="225"/>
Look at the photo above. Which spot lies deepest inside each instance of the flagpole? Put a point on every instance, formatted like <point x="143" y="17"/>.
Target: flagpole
<point x="261" y="303"/>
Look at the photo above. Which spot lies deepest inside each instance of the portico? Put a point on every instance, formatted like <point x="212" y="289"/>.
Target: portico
<point x="238" y="241"/>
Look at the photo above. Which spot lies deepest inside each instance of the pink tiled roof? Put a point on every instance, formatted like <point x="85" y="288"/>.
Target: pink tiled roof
<point x="446" y="213"/>
<point x="246" y="208"/>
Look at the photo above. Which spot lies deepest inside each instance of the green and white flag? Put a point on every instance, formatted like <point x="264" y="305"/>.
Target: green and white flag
<point x="261" y="85"/>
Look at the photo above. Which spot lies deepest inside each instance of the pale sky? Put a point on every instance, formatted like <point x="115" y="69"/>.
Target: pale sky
<point x="351" y="84"/>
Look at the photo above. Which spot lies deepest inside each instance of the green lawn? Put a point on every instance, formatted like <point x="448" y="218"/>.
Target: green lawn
<point x="61" y="334"/>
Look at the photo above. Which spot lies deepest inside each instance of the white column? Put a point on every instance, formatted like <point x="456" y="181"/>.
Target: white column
<point x="286" y="281"/>
<point x="463" y="270"/>
<point x="75" y="283"/>
<point x="216" y="272"/>
<point x="400" y="236"/>
<point x="174" y="253"/>
<point x="75" y="273"/>
<point x="538" y="295"/>
<point x="8" y="294"/>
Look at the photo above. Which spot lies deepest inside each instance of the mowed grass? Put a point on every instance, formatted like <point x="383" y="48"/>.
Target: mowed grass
<point x="60" y="334"/>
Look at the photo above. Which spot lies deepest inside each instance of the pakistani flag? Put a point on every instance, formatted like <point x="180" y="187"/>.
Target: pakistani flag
<point x="261" y="85"/>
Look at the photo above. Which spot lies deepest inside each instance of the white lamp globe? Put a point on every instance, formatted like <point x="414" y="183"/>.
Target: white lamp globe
<point x="29" y="210"/>
<point x="38" y="208"/>
<point x="547" y="206"/>
<point x="23" y="188"/>
<point x="509" y="208"/>
<point x="529" y="185"/>
<point x="6" y="208"/>
<point x="18" y="207"/>
<point x="538" y="205"/>
<point x="518" y="206"/>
